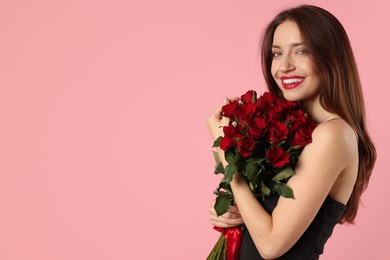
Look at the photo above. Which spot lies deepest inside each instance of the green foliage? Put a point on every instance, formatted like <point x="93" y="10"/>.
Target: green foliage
<point x="229" y="172"/>
<point x="251" y="171"/>
<point x="283" y="190"/>
<point x="264" y="189"/>
<point x="217" y="142"/>
<point x="231" y="157"/>
<point x="284" y="174"/>
<point x="222" y="204"/>
<point x="219" y="169"/>
<point x="219" y="250"/>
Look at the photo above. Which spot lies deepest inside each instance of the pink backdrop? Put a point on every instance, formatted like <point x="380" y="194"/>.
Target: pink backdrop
<point x="104" y="151"/>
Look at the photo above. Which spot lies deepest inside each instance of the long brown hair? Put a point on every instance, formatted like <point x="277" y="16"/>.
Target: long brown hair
<point x="336" y="68"/>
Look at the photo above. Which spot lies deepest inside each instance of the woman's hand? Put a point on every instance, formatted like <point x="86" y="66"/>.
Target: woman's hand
<point x="231" y="218"/>
<point x="217" y="121"/>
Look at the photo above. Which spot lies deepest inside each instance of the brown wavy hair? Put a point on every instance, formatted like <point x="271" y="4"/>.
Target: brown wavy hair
<point x="331" y="51"/>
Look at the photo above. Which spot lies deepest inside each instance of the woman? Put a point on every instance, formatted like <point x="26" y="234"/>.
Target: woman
<point x="307" y="57"/>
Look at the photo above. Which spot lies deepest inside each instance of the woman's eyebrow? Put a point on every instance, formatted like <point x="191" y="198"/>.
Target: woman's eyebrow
<point x="291" y="45"/>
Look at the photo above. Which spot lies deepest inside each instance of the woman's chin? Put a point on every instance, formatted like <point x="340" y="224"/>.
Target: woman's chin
<point x="291" y="97"/>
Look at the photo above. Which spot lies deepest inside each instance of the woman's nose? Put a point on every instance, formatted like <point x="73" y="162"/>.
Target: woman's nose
<point x="287" y="64"/>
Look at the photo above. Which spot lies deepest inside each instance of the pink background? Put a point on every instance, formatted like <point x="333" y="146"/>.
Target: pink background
<point x="104" y="150"/>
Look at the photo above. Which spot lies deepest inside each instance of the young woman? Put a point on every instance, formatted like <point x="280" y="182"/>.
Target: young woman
<point x="307" y="57"/>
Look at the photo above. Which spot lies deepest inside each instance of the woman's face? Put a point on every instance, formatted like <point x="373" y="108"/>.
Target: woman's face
<point x="292" y="66"/>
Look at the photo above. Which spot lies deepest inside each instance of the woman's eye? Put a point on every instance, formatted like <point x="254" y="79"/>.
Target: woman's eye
<point x="301" y="51"/>
<point x="276" y="54"/>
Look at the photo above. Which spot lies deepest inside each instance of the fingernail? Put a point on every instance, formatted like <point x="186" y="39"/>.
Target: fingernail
<point x="225" y="100"/>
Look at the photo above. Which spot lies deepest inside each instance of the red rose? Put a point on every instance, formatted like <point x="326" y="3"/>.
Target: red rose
<point x="248" y="96"/>
<point x="246" y="145"/>
<point x="287" y="105"/>
<point x="231" y="136"/>
<point x="265" y="101"/>
<point x="230" y="110"/>
<point x="277" y="132"/>
<point x="269" y="98"/>
<point x="274" y="114"/>
<point x="257" y="128"/>
<point x="297" y="119"/>
<point x="246" y="111"/>
<point x="277" y="156"/>
<point x="302" y="137"/>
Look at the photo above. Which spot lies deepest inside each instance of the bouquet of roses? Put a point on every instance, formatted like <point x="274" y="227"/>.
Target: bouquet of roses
<point x="262" y="143"/>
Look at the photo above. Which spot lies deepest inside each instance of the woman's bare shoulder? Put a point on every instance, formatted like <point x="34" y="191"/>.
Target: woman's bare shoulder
<point x="335" y="132"/>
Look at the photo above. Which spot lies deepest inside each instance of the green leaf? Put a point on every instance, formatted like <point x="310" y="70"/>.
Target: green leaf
<point x="251" y="171"/>
<point x="225" y="186"/>
<point x="219" y="169"/>
<point x="222" y="205"/>
<point x="292" y="148"/>
<point x="256" y="160"/>
<point x="217" y="142"/>
<point x="285" y="173"/>
<point x="264" y="189"/>
<point x="223" y="180"/>
<point x="216" y="157"/>
<point x="230" y="157"/>
<point x="229" y="172"/>
<point x="283" y="190"/>
<point x="253" y="186"/>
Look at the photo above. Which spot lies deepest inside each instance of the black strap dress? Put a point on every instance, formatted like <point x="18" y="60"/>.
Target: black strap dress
<point x="311" y="244"/>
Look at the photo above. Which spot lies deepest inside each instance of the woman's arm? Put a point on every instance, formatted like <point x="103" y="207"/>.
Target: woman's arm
<point x="319" y="165"/>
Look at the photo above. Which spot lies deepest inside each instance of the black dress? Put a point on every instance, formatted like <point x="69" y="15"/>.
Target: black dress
<point x="311" y="244"/>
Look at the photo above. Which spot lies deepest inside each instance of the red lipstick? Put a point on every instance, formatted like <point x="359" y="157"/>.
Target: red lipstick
<point x="290" y="82"/>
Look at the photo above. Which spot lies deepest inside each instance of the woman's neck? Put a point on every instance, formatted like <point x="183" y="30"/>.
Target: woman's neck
<point x="316" y="110"/>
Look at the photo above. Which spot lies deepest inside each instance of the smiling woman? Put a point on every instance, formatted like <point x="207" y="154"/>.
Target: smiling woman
<point x="292" y="65"/>
<point x="307" y="57"/>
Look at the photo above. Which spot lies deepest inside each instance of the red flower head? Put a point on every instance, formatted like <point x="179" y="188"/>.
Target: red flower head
<point x="303" y="136"/>
<point x="230" y="110"/>
<point x="265" y="101"/>
<point x="231" y="136"/>
<point x="246" y="112"/>
<point x="269" y="98"/>
<point x="257" y="128"/>
<point x="277" y="132"/>
<point x="287" y="105"/>
<point x="277" y="156"/>
<point x="297" y="118"/>
<point x="248" y="96"/>
<point x="246" y="145"/>
<point x="274" y="114"/>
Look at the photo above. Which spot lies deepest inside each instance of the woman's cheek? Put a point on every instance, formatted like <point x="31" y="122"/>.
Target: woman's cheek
<point x="274" y="71"/>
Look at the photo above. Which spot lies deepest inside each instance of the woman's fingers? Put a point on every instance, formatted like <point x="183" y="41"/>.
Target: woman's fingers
<point x="225" y="222"/>
<point x="216" y="121"/>
<point x="227" y="215"/>
<point x="231" y="218"/>
<point x="217" y="113"/>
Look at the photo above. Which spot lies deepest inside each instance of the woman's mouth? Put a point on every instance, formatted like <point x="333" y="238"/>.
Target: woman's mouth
<point x="291" y="81"/>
